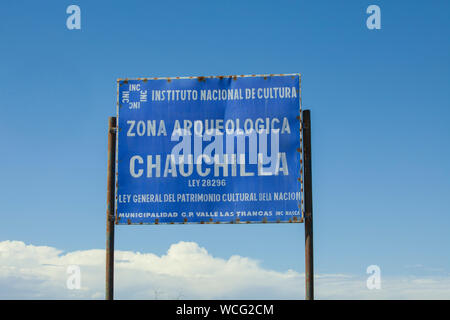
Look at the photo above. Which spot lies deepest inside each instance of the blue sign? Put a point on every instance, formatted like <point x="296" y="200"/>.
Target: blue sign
<point x="222" y="149"/>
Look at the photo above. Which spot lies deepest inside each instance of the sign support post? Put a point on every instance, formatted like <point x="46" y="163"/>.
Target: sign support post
<point x="110" y="209"/>
<point x="309" y="257"/>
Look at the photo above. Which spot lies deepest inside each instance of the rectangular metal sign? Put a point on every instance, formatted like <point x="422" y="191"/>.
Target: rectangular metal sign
<point x="222" y="149"/>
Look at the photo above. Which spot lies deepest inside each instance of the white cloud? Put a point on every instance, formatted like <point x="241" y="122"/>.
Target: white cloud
<point x="186" y="271"/>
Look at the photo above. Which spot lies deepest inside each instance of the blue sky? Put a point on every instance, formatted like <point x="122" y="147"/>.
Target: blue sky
<point x="380" y="122"/>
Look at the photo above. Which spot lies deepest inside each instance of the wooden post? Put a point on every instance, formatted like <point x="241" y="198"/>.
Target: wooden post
<point x="110" y="209"/>
<point x="309" y="256"/>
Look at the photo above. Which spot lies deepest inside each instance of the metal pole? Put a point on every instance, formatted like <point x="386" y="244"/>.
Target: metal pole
<point x="309" y="257"/>
<point x="110" y="209"/>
